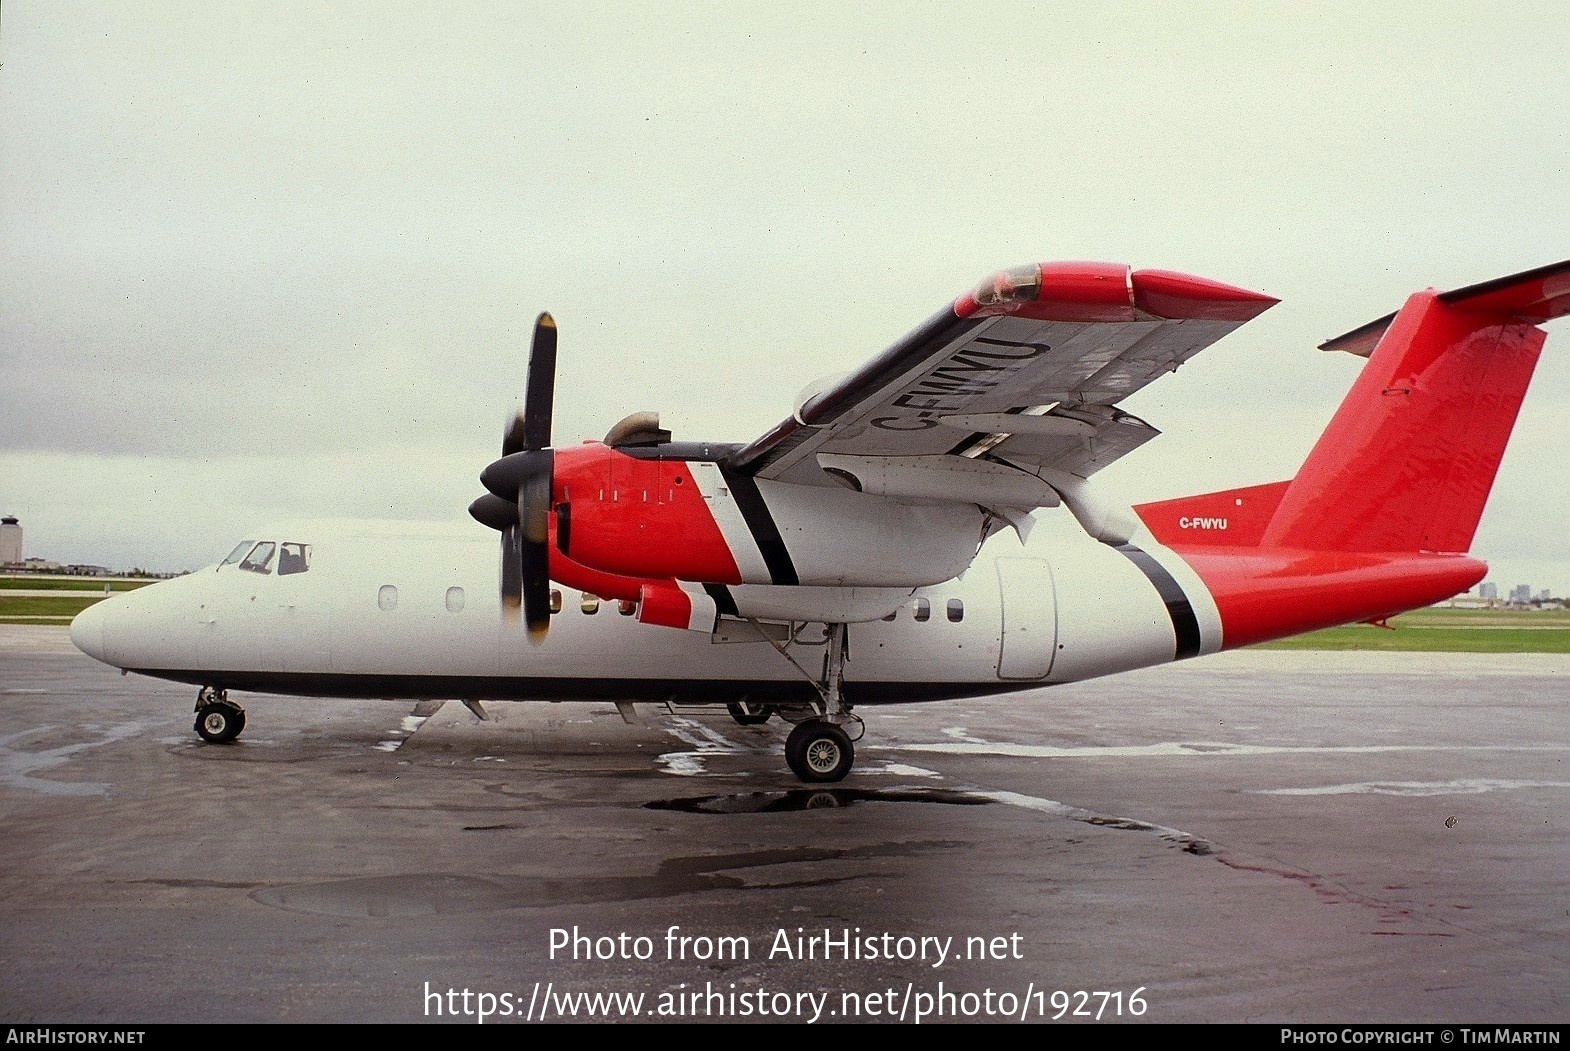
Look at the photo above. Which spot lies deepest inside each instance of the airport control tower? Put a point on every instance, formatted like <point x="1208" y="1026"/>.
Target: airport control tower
<point x="10" y="541"/>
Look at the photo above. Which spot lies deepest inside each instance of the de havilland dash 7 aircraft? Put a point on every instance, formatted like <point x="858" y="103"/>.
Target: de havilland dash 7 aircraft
<point x="876" y="546"/>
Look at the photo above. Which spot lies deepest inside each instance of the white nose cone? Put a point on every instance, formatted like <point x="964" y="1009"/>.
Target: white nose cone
<point x="87" y="631"/>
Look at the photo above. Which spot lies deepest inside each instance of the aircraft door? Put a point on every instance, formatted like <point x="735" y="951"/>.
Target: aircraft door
<point x="305" y="637"/>
<point x="1028" y="600"/>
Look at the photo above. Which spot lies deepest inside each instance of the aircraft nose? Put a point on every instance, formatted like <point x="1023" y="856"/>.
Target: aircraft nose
<point x="87" y="631"/>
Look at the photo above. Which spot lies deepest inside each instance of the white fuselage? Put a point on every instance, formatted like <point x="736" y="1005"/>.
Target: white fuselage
<point x="411" y="610"/>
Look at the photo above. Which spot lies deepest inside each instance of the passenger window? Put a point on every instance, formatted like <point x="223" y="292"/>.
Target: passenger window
<point x="626" y="608"/>
<point x="387" y="597"/>
<point x="455" y="600"/>
<point x="293" y="558"/>
<point x="589" y="604"/>
<point x="956" y="610"/>
<point x="892" y="616"/>
<point x="555" y="601"/>
<point x="921" y="609"/>
<point x="260" y="560"/>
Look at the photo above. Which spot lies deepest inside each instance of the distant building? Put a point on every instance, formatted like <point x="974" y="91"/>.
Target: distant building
<point x="10" y="541"/>
<point x="1521" y="595"/>
<point x="1488" y="590"/>
<point x="1543" y="596"/>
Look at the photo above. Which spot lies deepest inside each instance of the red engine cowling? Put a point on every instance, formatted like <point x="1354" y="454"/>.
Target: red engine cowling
<point x="633" y="517"/>
<point x="661" y="602"/>
<point x="573" y="574"/>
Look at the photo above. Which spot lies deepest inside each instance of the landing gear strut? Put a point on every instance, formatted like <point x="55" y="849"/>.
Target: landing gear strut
<point x="218" y="719"/>
<point x="819" y="750"/>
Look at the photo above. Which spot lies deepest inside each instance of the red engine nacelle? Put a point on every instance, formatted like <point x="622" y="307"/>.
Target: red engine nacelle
<point x="573" y="574"/>
<point x="634" y="517"/>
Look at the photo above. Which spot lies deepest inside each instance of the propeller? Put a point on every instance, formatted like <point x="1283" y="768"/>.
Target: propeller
<point x="518" y="503"/>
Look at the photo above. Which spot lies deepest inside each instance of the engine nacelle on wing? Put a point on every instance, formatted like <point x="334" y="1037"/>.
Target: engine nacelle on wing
<point x="637" y="516"/>
<point x="669" y="512"/>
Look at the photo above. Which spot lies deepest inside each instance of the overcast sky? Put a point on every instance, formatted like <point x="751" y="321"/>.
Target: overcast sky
<point x="281" y="260"/>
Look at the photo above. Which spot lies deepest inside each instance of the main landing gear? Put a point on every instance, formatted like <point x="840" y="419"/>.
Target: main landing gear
<point x="820" y="750"/>
<point x="750" y="714"/>
<point x="218" y="719"/>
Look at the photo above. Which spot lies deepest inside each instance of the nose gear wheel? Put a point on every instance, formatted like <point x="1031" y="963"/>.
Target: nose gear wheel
<point x="218" y="719"/>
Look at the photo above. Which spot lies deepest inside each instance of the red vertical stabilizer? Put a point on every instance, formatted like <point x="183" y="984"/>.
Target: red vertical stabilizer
<point x="1410" y="456"/>
<point x="1379" y="517"/>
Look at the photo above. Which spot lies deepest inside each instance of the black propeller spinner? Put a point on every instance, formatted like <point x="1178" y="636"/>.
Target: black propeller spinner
<point x="519" y="499"/>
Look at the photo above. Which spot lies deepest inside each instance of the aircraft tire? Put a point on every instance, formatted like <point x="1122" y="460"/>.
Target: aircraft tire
<point x="219" y="723"/>
<point x="746" y="718"/>
<point x="819" y="752"/>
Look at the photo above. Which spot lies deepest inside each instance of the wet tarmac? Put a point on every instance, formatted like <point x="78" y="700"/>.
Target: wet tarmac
<point x="1250" y="837"/>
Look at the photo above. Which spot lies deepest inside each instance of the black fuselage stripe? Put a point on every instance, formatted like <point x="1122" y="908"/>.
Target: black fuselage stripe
<point x="723" y="602"/>
<point x="760" y="522"/>
<point x="1185" y="625"/>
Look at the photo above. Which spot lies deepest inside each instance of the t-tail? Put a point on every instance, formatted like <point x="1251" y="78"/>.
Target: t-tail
<point x="1381" y="515"/>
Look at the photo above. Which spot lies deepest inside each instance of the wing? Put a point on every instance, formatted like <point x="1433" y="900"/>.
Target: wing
<point x="1024" y="372"/>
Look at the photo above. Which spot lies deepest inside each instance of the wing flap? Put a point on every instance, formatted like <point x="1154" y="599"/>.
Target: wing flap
<point x="1114" y="438"/>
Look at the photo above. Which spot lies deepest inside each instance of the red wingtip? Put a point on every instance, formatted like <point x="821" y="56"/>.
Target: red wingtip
<point x="1071" y="291"/>
<point x="1169" y="294"/>
<point x="1108" y="292"/>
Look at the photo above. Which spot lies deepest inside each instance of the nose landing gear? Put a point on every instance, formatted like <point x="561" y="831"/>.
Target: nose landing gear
<point x="218" y="719"/>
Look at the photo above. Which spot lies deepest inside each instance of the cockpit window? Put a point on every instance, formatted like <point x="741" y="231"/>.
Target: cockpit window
<point x="238" y="553"/>
<point x="294" y="558"/>
<point x="260" y="560"/>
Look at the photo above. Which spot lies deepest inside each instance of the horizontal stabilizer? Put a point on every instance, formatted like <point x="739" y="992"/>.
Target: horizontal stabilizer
<point x="1534" y="296"/>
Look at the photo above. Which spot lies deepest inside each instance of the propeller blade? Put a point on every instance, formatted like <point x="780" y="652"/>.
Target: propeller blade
<point x="536" y="590"/>
<point x="518" y="501"/>
<point x="512" y="437"/>
<point x="534" y="497"/>
<point x="512" y="573"/>
<point x="534" y="522"/>
<point x="540" y="396"/>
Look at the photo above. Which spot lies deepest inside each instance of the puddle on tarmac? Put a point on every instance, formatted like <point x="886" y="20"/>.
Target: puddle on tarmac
<point x="813" y="799"/>
<point x="417" y="894"/>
